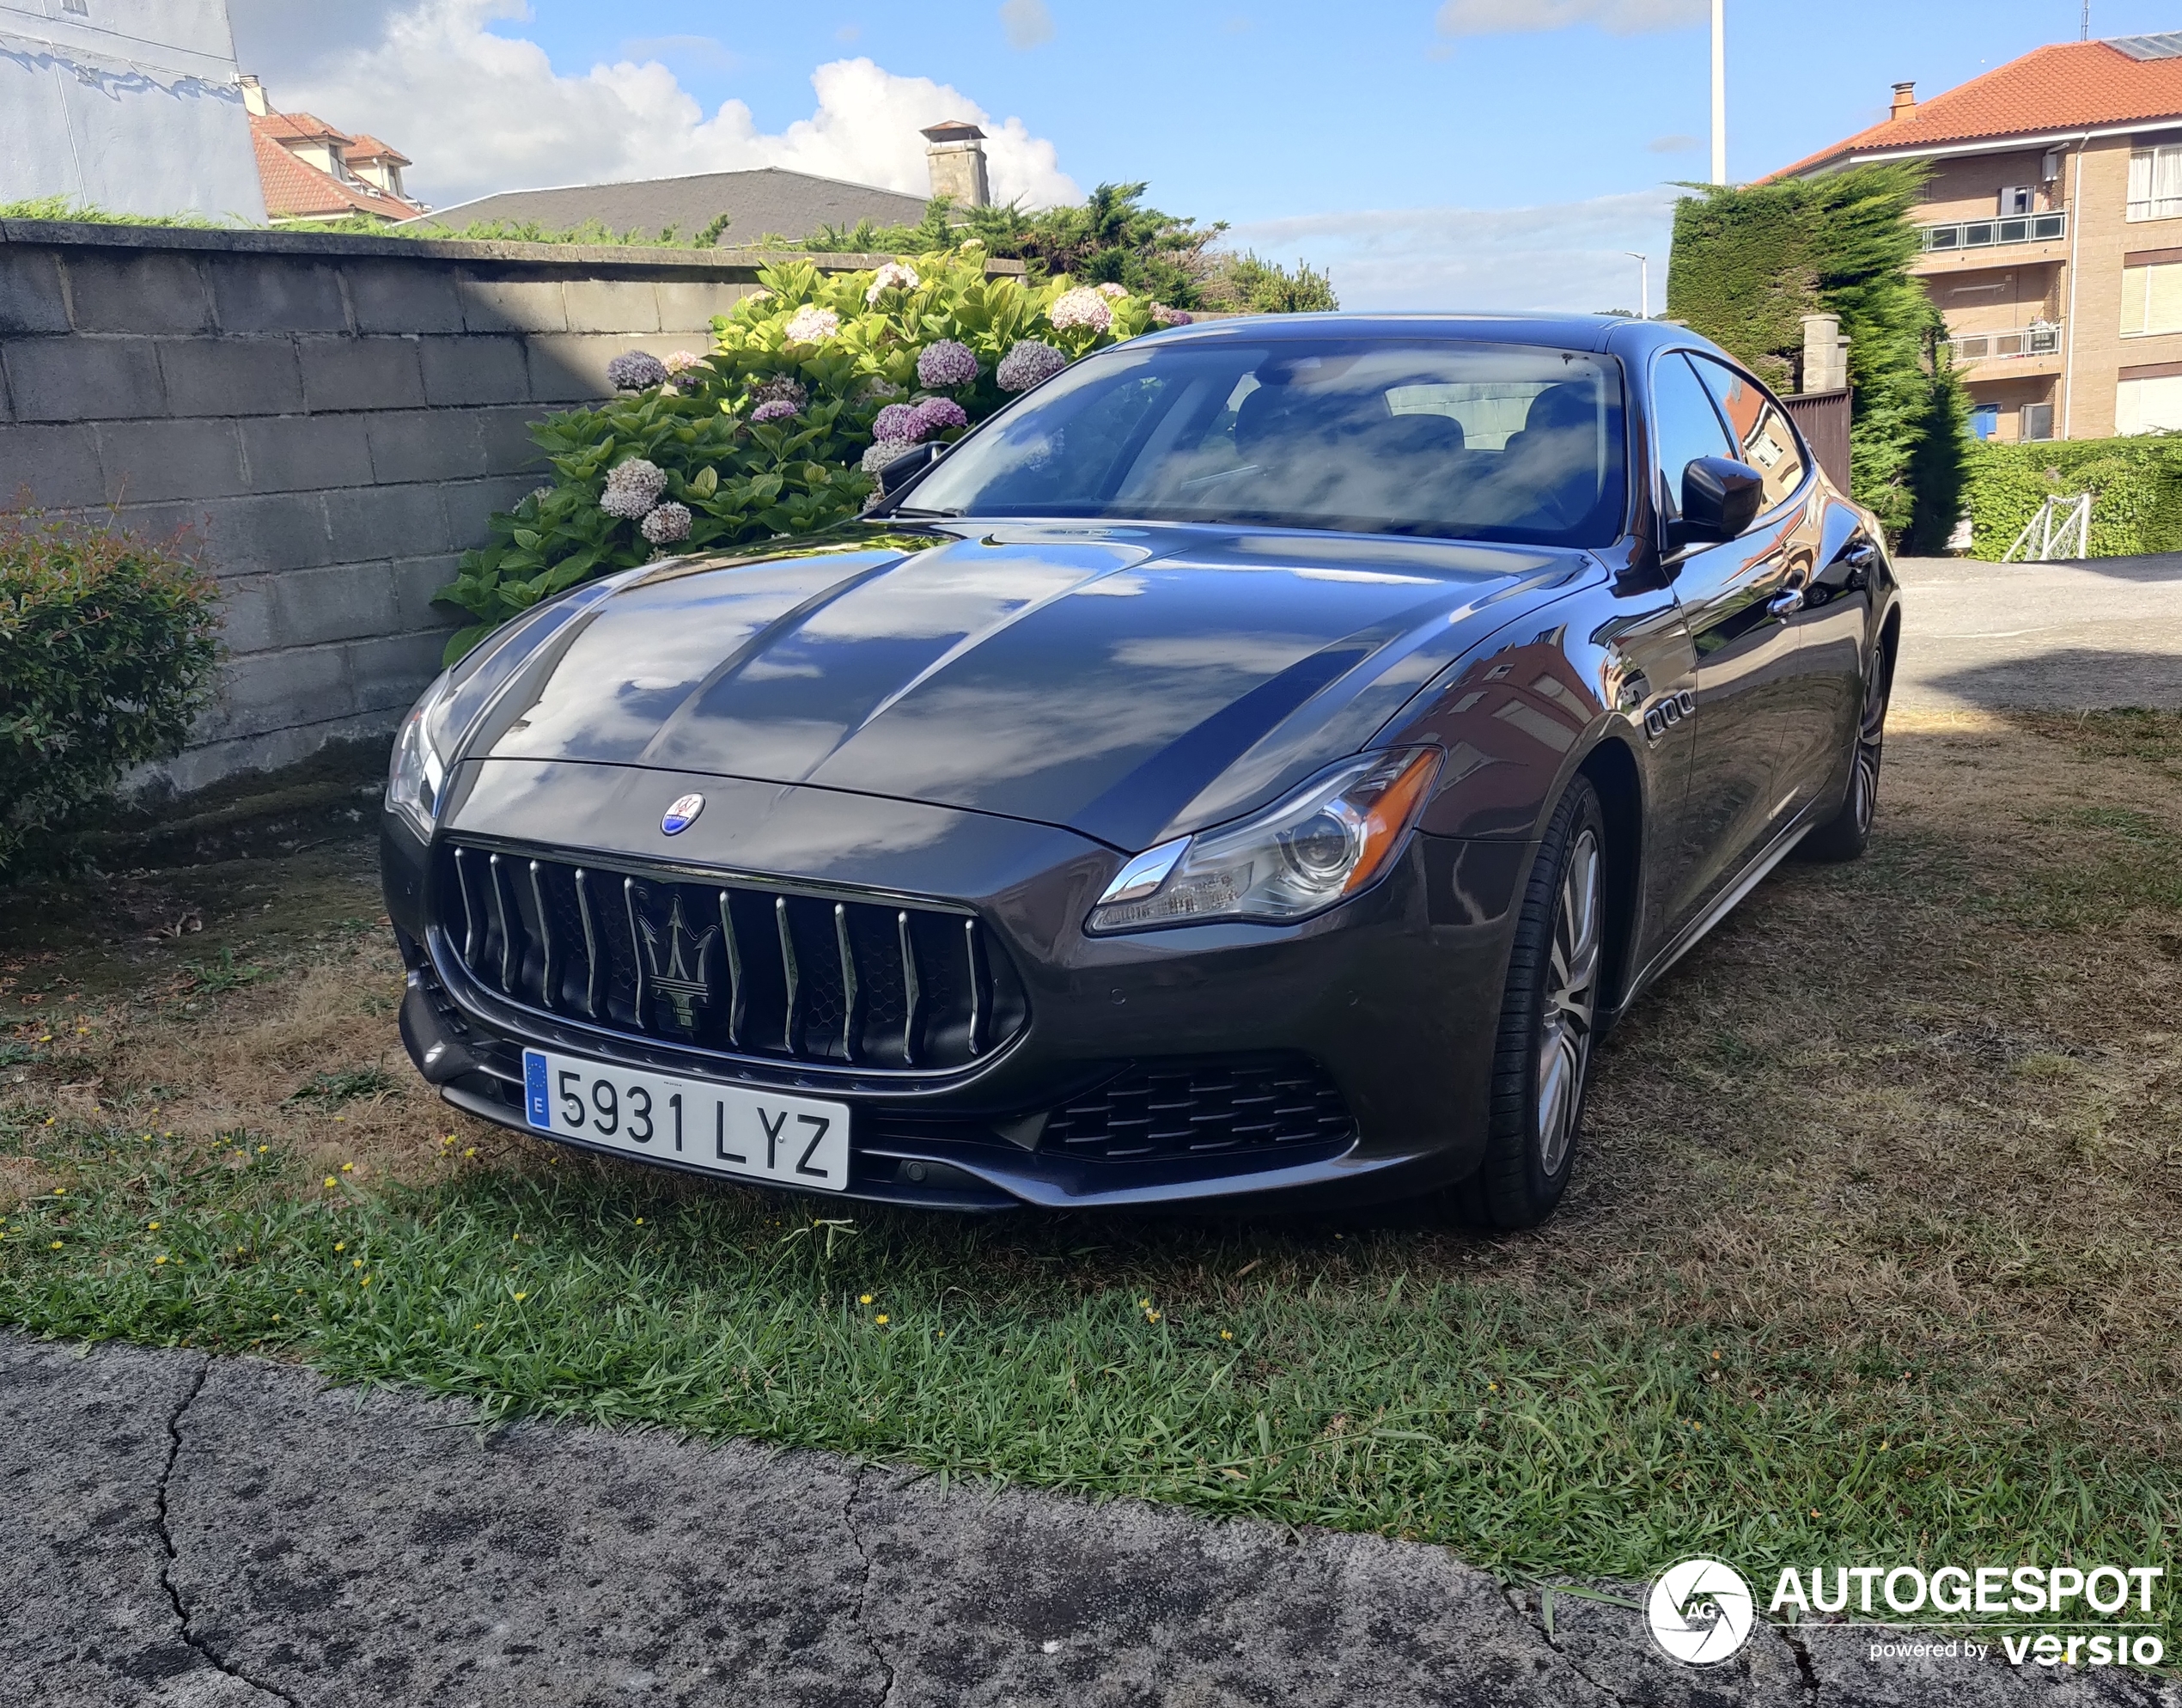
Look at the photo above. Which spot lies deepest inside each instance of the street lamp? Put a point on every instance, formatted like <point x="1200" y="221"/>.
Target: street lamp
<point x="1643" y="281"/>
<point x="1720" y="91"/>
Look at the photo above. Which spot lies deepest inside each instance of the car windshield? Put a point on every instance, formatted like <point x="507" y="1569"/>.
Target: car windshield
<point x="1439" y="438"/>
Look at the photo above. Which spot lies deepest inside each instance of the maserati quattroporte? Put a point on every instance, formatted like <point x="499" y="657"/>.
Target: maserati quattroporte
<point x="1259" y="763"/>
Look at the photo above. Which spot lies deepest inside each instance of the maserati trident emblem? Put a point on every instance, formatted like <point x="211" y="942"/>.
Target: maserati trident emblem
<point x="683" y="986"/>
<point x="682" y="815"/>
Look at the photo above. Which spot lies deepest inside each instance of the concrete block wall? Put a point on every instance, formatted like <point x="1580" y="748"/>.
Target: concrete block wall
<point x="339" y="416"/>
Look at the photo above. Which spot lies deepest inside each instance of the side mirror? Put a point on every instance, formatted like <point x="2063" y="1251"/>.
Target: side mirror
<point x="914" y="461"/>
<point x="1719" y="499"/>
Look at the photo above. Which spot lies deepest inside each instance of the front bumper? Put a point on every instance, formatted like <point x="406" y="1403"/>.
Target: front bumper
<point x="1394" y="997"/>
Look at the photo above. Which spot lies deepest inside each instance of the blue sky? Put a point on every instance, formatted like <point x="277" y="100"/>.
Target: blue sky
<point x="1493" y="153"/>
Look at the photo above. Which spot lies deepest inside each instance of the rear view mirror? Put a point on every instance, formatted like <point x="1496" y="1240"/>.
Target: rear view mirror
<point x="1720" y="500"/>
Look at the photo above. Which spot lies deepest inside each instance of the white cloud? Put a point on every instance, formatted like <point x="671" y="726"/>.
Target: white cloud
<point x="480" y="112"/>
<point x="1524" y="17"/>
<point x="1564" y="256"/>
<point x="1028" y="23"/>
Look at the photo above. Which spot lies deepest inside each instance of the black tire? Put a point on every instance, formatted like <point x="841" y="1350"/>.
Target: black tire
<point x="1848" y="832"/>
<point x="1548" y="1017"/>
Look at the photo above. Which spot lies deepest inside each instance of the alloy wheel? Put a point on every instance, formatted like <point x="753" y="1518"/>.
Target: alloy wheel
<point x="1871" y="739"/>
<point x="1571" y="1001"/>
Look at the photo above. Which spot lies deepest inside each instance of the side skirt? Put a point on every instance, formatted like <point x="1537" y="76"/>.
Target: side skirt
<point x="1692" y="934"/>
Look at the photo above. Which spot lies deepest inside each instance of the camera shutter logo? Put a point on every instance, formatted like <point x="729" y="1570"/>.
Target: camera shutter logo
<point x="1701" y="1612"/>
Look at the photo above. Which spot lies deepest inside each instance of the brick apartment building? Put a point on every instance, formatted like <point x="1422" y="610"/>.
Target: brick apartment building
<point x="2052" y="230"/>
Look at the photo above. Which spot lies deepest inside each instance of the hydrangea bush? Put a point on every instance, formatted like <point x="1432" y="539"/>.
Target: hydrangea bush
<point x="814" y="383"/>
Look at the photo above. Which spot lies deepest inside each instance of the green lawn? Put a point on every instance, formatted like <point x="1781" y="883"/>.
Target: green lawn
<point x="1874" y="1257"/>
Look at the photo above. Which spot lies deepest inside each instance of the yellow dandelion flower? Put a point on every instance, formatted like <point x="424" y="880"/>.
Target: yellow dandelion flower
<point x="367" y="1281"/>
<point x="520" y="1297"/>
<point x="276" y="1318"/>
<point x="880" y="1318"/>
<point x="161" y="1257"/>
<point x="330" y="1180"/>
<point x="346" y="1167"/>
<point x="1227" y="1334"/>
<point x="640" y="1220"/>
<point x="355" y="1263"/>
<point x="263" y="1148"/>
<point x="340" y="1245"/>
<point x="60" y="1192"/>
<point x="341" y="1118"/>
<point x="49" y="1121"/>
<point x="48" y="1039"/>
<point x="56" y="1246"/>
<point x="1151" y="1316"/>
<point x="154" y="1226"/>
<point x="863" y="1298"/>
<point x="470" y="1151"/>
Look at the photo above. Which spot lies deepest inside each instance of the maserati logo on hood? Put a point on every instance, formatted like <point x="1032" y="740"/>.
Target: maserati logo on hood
<point x="682" y="815"/>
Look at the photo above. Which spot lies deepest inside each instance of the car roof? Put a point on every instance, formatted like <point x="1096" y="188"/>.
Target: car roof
<point x="1613" y="333"/>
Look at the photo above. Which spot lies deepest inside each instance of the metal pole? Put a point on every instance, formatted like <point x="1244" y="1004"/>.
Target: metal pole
<point x="2084" y="35"/>
<point x="1644" y="281"/>
<point x="1720" y="91"/>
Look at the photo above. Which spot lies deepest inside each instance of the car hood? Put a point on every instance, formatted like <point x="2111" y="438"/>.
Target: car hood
<point x="1127" y="682"/>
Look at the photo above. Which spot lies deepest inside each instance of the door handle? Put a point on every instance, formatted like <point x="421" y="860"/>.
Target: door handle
<point x="1785" y="604"/>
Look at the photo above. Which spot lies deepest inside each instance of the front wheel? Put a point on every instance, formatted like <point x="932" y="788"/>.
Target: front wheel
<point x="1542" y="1064"/>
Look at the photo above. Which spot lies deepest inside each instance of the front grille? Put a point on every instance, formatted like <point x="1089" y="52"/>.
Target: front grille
<point x="1202" y="1109"/>
<point x="732" y="966"/>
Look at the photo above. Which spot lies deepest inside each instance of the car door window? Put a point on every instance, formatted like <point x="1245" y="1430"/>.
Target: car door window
<point x="1763" y="438"/>
<point x="1687" y="426"/>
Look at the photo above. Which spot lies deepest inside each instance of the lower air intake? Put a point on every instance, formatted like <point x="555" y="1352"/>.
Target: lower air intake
<point x="1203" y="1109"/>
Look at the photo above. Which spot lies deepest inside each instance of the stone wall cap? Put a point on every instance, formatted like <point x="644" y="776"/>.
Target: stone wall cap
<point x="590" y="259"/>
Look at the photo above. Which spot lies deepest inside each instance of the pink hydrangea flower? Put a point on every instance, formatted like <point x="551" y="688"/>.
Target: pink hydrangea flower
<point x="774" y="409"/>
<point x="666" y="524"/>
<point x="680" y="361"/>
<point x="781" y="388"/>
<point x="1113" y="292"/>
<point x="894" y="276"/>
<point x="936" y="415"/>
<point x="1031" y="362"/>
<point x="812" y="325"/>
<point x="897" y="424"/>
<point x="1082" y="307"/>
<point x="633" y="488"/>
<point x="945" y="364"/>
<point x="1164" y="316"/>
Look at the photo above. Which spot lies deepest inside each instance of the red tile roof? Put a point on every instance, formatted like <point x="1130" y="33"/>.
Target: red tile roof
<point x="2072" y="86"/>
<point x="369" y="147"/>
<point x="295" y="189"/>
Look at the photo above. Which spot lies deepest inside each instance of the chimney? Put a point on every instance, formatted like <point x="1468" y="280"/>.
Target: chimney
<point x="254" y="94"/>
<point x="955" y="152"/>
<point x="1905" y="102"/>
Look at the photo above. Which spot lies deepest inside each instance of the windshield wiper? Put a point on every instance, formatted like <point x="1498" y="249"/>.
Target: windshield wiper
<point x="905" y="511"/>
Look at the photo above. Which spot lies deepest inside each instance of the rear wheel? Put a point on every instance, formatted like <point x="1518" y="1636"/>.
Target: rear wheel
<point x="1848" y="832"/>
<point x="1542" y="1064"/>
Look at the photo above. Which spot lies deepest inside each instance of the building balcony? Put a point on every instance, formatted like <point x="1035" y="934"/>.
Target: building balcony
<point x="2015" y="240"/>
<point x="2017" y="353"/>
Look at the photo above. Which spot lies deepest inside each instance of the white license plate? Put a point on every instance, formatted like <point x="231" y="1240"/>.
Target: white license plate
<point x="727" y="1129"/>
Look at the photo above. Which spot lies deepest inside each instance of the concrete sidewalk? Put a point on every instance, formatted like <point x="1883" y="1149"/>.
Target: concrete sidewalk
<point x="209" y="1533"/>
<point x="2104" y="633"/>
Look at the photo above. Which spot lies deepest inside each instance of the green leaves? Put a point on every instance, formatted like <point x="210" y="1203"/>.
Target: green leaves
<point x="108" y="645"/>
<point x="745" y="480"/>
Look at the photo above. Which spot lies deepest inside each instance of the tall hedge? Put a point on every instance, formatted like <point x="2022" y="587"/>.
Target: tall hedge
<point x="1749" y="263"/>
<point x="2136" y="485"/>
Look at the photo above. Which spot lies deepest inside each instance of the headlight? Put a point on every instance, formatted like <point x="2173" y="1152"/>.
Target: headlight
<point x="1321" y="844"/>
<point x="418" y="770"/>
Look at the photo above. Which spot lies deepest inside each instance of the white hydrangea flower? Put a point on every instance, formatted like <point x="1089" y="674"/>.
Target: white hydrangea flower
<point x="633" y="488"/>
<point x="1082" y="307"/>
<point x="1110" y="291"/>
<point x="812" y="325"/>
<point x="894" y="276"/>
<point x="681" y="361"/>
<point x="666" y="525"/>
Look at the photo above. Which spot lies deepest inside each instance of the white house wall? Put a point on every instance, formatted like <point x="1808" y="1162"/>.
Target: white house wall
<point x="139" y="114"/>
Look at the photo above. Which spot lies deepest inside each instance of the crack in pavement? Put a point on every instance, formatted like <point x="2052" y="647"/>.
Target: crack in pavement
<point x="1804" y="1664"/>
<point x="167" y="1543"/>
<point x="863" y="1590"/>
<point x="1537" y="1622"/>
